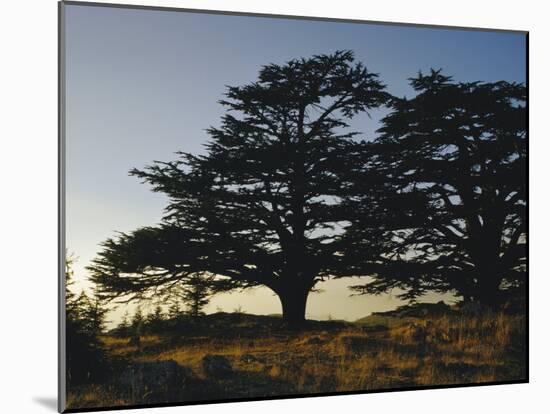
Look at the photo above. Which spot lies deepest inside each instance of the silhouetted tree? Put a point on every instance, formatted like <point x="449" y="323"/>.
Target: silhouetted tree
<point x="123" y="328"/>
<point x="174" y="311"/>
<point x="70" y="302"/>
<point x="196" y="293"/>
<point x="94" y="313"/>
<point x="445" y="192"/>
<point x="137" y="321"/>
<point x="137" y="328"/>
<point x="155" y="320"/>
<point x="264" y="205"/>
<point x="85" y="318"/>
<point x="156" y="315"/>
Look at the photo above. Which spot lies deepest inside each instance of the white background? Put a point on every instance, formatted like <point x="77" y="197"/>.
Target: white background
<point x="28" y="203"/>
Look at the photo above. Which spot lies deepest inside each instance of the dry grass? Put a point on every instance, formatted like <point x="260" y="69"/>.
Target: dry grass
<point x="437" y="351"/>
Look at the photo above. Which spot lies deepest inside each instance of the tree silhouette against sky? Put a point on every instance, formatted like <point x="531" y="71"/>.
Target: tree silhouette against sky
<point x="448" y="177"/>
<point x="265" y="205"/>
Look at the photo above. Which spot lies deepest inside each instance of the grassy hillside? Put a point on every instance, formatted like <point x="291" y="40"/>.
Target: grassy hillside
<point x="242" y="356"/>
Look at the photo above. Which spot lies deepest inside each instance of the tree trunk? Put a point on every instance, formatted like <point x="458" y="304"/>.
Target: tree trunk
<point x="489" y="294"/>
<point x="491" y="299"/>
<point x="293" y="301"/>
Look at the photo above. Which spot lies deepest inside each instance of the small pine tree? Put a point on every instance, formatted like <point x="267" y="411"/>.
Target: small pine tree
<point x="70" y="297"/>
<point x="85" y="318"/>
<point x="95" y="314"/>
<point x="156" y="315"/>
<point x="196" y="294"/>
<point x="123" y="328"/>
<point x="137" y="322"/>
<point x="124" y="324"/>
<point x="174" y="311"/>
<point x="155" y="319"/>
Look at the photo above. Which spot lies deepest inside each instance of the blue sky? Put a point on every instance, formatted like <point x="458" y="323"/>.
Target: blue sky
<point x="143" y="84"/>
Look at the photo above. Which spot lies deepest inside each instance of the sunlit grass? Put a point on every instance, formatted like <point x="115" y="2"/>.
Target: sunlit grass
<point x="443" y="350"/>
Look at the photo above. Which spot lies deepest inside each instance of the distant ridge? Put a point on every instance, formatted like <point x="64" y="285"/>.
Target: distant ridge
<point x="416" y="310"/>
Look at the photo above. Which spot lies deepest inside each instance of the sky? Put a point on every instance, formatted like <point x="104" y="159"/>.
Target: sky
<point x="143" y="84"/>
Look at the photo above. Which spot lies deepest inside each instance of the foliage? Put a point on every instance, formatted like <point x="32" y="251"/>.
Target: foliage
<point x="264" y="205"/>
<point x="85" y="320"/>
<point x="450" y="173"/>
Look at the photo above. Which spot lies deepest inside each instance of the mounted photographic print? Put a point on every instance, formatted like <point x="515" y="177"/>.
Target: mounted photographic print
<point x="257" y="207"/>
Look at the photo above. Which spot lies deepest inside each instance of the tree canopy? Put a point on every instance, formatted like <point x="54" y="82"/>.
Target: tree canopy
<point x="265" y="205"/>
<point x="287" y="196"/>
<point x="448" y="173"/>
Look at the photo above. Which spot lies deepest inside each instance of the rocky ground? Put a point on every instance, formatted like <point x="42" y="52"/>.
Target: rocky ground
<point x="234" y="356"/>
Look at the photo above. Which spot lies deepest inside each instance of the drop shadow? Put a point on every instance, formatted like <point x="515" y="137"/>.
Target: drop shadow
<point x="48" y="402"/>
